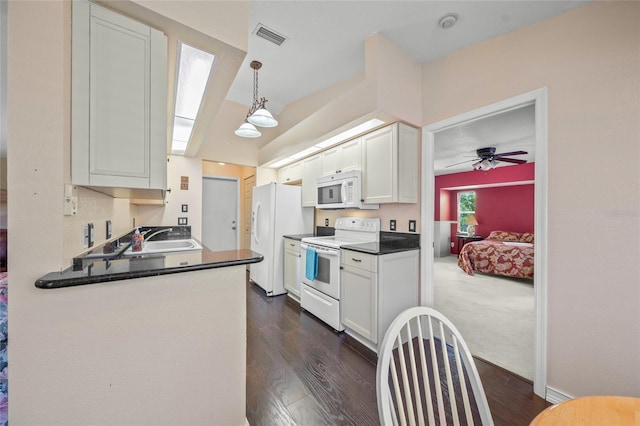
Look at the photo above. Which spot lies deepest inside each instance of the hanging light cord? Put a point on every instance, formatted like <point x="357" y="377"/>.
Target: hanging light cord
<point x="257" y="103"/>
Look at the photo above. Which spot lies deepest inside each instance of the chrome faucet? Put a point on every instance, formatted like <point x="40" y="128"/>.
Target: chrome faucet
<point x="160" y="231"/>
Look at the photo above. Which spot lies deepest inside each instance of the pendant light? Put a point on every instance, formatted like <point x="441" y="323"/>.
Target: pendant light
<point x="258" y="115"/>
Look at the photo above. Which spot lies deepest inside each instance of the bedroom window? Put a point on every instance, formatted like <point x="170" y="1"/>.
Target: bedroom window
<point x="466" y="208"/>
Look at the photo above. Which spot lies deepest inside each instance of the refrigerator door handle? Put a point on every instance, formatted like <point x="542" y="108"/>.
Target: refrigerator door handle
<point x="255" y="224"/>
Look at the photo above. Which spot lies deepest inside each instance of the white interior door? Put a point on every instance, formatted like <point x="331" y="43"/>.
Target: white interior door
<point x="220" y="212"/>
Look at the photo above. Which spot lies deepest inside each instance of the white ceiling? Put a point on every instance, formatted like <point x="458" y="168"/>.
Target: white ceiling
<point x="325" y="42"/>
<point x="509" y="131"/>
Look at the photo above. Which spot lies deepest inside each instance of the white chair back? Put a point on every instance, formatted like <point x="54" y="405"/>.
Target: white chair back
<point x="417" y="385"/>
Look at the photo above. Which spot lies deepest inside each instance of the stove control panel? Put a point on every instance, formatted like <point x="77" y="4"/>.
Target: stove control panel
<point x="358" y="224"/>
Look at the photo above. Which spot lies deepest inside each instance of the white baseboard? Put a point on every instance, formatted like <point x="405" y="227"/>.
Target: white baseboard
<point x="555" y="396"/>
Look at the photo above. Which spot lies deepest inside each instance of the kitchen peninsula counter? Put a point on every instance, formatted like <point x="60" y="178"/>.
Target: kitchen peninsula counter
<point x="163" y="337"/>
<point x="147" y="265"/>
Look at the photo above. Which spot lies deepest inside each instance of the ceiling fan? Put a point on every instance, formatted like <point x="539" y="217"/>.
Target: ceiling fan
<point x="487" y="158"/>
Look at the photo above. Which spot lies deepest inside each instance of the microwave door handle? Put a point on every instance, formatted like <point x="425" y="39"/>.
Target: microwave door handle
<point x="343" y="192"/>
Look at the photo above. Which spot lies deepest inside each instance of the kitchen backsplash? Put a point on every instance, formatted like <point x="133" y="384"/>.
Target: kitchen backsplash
<point x="401" y="213"/>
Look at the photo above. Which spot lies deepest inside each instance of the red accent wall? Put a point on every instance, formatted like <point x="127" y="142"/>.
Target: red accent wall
<point x="504" y="208"/>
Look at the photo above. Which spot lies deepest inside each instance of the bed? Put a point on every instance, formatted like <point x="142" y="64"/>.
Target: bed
<point x="501" y="253"/>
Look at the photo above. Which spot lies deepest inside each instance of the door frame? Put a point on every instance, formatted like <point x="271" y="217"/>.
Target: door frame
<point x="237" y="181"/>
<point x="539" y="98"/>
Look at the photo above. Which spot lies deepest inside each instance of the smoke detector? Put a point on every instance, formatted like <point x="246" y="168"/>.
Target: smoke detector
<point x="448" y="21"/>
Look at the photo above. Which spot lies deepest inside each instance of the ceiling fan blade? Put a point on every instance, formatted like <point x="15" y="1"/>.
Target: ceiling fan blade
<point x="511" y="160"/>
<point x="507" y="154"/>
<point x="462" y="162"/>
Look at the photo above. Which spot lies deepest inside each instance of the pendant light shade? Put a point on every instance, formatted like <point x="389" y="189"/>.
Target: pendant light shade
<point x="262" y="118"/>
<point x="258" y="114"/>
<point x="248" y="130"/>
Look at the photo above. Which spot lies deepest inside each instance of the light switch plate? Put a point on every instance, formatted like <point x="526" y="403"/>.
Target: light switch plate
<point x="182" y="221"/>
<point x="412" y="226"/>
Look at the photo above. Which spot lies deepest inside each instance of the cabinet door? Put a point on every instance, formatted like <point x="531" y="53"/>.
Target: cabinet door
<point x="408" y="172"/>
<point x="290" y="173"/>
<point x="330" y="162"/>
<point x="351" y="155"/>
<point x="119" y="100"/>
<point x="291" y="267"/>
<point x="380" y="168"/>
<point x="358" y="301"/>
<point x="311" y="170"/>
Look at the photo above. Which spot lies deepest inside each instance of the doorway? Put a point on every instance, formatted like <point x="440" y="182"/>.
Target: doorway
<point x="220" y="208"/>
<point x="249" y="184"/>
<point x="539" y="99"/>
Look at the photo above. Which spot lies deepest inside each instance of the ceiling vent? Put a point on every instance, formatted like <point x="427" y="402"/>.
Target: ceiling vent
<point x="269" y="35"/>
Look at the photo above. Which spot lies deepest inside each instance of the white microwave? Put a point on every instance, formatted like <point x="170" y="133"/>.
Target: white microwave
<point x="342" y="191"/>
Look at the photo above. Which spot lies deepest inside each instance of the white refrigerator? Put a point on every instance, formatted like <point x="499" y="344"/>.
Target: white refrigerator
<point x="276" y="210"/>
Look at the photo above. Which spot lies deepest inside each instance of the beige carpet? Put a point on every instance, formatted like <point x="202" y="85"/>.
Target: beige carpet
<point x="494" y="314"/>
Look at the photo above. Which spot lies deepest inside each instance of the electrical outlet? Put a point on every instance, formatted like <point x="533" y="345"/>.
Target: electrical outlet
<point x="412" y="226"/>
<point x="185" y="208"/>
<point x="392" y="225"/>
<point x="87" y="235"/>
<point x="91" y="239"/>
<point x="326" y="222"/>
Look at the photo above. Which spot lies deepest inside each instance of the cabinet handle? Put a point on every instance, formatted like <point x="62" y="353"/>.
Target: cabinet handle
<point x="292" y="245"/>
<point x="356" y="260"/>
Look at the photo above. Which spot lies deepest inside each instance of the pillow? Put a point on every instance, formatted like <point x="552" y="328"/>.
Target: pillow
<point x="504" y="236"/>
<point x="527" y="237"/>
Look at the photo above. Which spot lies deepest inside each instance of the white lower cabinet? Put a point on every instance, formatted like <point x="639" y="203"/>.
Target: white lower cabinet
<point x="374" y="290"/>
<point x="292" y="273"/>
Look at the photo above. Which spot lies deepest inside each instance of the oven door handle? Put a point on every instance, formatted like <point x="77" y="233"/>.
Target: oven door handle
<point x="322" y="251"/>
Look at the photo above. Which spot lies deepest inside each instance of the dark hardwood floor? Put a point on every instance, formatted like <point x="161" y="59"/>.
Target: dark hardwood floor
<point x="300" y="372"/>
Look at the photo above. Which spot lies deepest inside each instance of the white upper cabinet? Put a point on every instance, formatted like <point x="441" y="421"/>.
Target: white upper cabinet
<point x="311" y="170"/>
<point x="290" y="173"/>
<point x="344" y="157"/>
<point x="119" y="100"/>
<point x="390" y="165"/>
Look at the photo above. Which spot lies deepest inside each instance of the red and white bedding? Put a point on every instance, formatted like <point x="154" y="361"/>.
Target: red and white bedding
<point x="502" y="253"/>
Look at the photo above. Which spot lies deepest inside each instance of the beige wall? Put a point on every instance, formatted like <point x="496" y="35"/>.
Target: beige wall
<point x="589" y="59"/>
<point x="168" y="214"/>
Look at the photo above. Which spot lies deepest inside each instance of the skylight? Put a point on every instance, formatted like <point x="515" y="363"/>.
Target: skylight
<point x="334" y="140"/>
<point x="194" y="68"/>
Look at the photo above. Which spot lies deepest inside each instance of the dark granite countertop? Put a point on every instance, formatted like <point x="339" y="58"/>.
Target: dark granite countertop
<point x="390" y="242"/>
<point x="297" y="237"/>
<point x="91" y="270"/>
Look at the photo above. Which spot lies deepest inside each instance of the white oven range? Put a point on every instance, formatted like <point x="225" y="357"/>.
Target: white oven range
<point x="320" y="289"/>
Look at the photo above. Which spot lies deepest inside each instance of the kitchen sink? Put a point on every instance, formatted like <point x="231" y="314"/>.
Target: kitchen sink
<point x="165" y="246"/>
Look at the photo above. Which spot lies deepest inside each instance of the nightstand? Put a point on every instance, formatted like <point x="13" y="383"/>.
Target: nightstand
<point x="464" y="239"/>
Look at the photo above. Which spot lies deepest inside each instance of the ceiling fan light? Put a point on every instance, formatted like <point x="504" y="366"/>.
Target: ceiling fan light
<point x="262" y="118"/>
<point x="487" y="165"/>
<point x="247" y="130"/>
